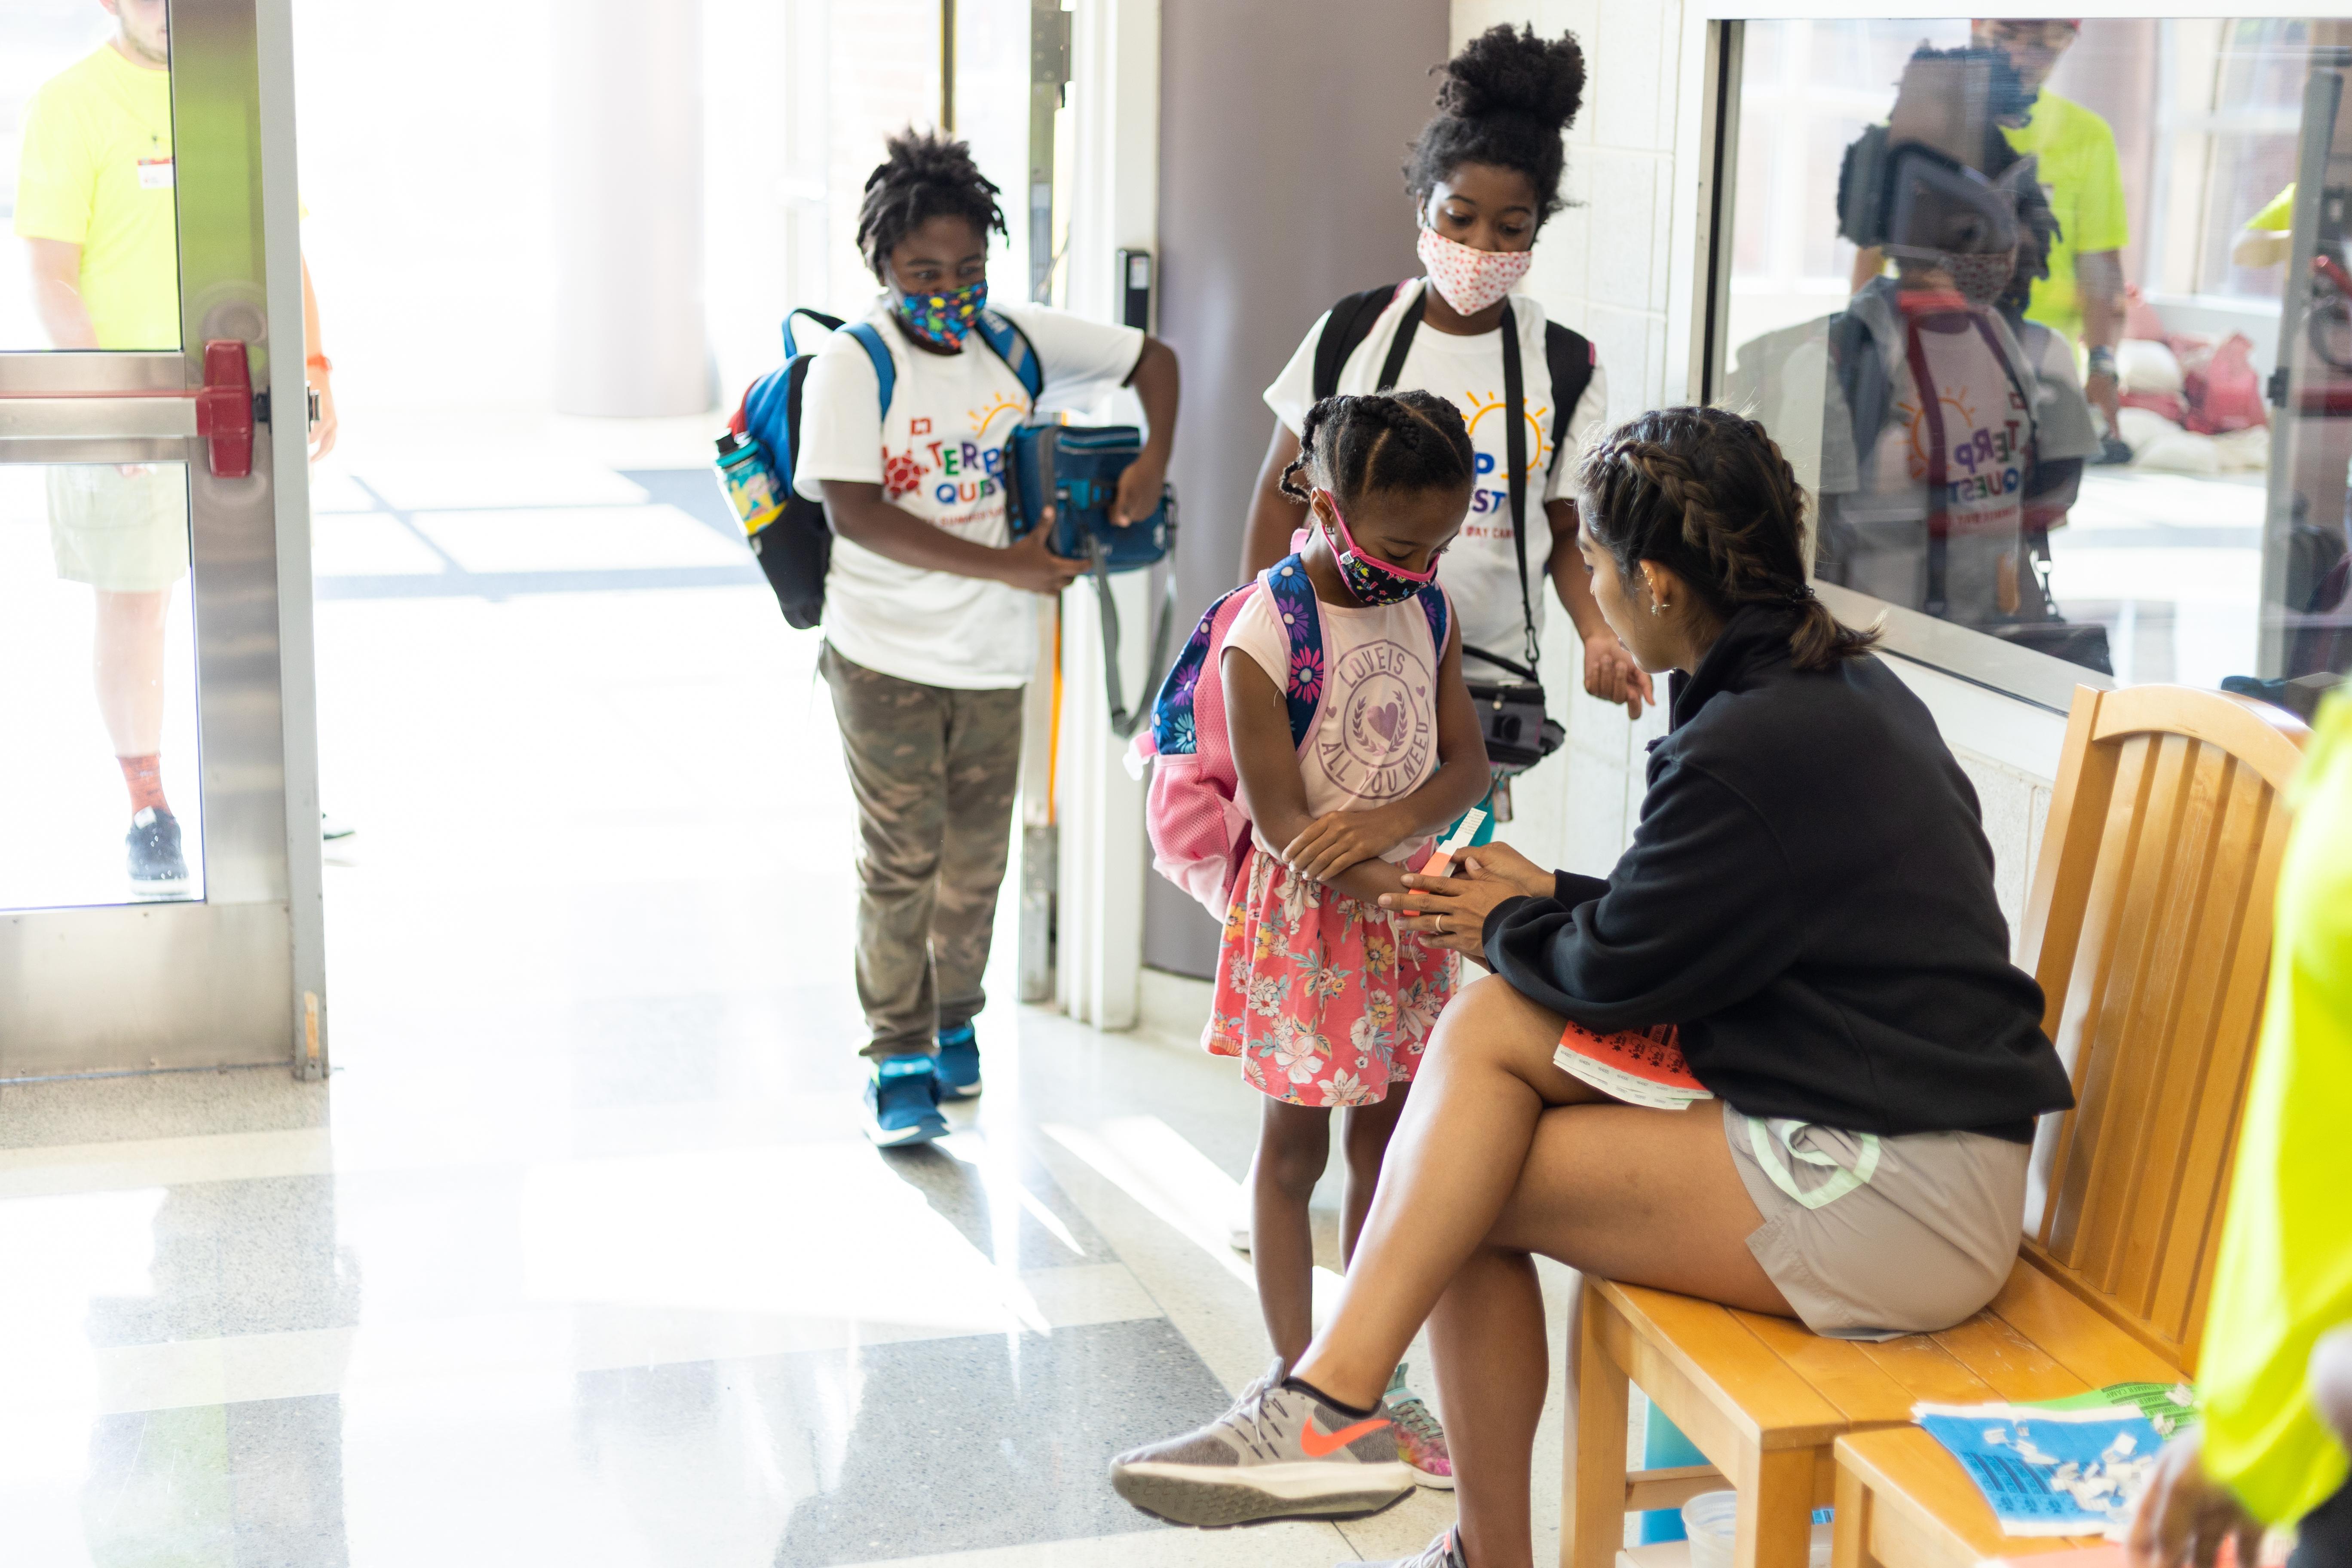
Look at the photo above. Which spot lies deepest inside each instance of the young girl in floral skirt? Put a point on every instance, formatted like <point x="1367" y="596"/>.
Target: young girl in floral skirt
<point x="1323" y="998"/>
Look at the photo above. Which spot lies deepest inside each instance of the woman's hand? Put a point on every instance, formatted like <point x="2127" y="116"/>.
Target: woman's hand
<point x="1451" y="912"/>
<point x="1502" y="860"/>
<point x="1338" y="839"/>
<point x="2184" y="1515"/>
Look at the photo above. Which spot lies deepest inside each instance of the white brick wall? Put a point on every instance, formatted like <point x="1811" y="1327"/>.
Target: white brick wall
<point x="1601" y="267"/>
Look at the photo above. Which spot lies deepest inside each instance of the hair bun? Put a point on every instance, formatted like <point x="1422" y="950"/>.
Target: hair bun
<point x="1508" y="71"/>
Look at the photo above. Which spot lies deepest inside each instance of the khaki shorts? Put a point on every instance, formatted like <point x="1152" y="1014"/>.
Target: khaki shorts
<point x="1870" y="1237"/>
<point x="121" y="533"/>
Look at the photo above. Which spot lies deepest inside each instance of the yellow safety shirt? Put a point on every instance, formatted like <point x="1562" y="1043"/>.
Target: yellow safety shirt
<point x="2284" y="1274"/>
<point x="2084" y="182"/>
<point x="97" y="171"/>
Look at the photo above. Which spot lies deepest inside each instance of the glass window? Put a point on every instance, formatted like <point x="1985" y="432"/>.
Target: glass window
<point x="100" y="802"/>
<point x="86" y="172"/>
<point x="2010" y="294"/>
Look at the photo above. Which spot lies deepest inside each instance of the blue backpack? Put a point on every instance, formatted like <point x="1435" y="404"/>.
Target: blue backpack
<point x="795" y="543"/>
<point x="1193" y="812"/>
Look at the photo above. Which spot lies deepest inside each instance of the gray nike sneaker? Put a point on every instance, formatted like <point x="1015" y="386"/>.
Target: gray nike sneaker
<point x="1277" y="1454"/>
<point x="1445" y="1552"/>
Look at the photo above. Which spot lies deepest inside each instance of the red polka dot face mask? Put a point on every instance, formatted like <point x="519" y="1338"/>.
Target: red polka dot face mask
<point x="1471" y="279"/>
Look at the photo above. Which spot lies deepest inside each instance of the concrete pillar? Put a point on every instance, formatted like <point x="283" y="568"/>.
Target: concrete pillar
<point x="630" y="337"/>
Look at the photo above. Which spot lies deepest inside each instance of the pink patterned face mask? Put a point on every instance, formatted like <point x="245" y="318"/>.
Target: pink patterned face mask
<point x="1470" y="279"/>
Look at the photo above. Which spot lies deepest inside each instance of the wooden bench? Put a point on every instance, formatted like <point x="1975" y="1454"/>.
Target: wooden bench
<point x="2149" y="932"/>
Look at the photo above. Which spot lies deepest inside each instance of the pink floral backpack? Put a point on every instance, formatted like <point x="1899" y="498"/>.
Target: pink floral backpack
<point x="1193" y="812"/>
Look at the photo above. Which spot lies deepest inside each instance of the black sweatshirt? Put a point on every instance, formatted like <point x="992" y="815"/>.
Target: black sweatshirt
<point x="1809" y="896"/>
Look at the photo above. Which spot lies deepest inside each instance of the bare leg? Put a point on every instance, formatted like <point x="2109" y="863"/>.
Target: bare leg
<point x="127" y="667"/>
<point x="1365" y="1132"/>
<point x="1501" y="1153"/>
<point x="1294" y="1144"/>
<point x="1488" y="1334"/>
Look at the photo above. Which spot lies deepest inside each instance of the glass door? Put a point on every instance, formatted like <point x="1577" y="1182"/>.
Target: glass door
<point x="158" y="905"/>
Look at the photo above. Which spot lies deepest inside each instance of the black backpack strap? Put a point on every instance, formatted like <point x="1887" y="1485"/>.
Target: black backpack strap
<point x="1402" y="344"/>
<point x="1567" y="355"/>
<point x="831" y="323"/>
<point x="1515" y="448"/>
<point x="1349" y="325"/>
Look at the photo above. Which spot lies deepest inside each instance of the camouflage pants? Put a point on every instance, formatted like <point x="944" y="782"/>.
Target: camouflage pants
<point x="935" y="772"/>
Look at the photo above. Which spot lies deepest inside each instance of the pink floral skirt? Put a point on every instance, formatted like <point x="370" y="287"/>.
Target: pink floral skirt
<point x="1322" y="997"/>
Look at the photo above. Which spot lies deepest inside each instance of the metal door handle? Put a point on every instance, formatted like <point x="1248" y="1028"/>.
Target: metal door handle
<point x="222" y="411"/>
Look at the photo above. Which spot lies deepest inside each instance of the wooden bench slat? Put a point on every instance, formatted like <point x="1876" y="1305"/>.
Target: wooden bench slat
<point x="1928" y="1371"/>
<point x="2075" y="1336"/>
<point x="2011" y="1365"/>
<point x="1756" y="1393"/>
<point x="1836" y="1369"/>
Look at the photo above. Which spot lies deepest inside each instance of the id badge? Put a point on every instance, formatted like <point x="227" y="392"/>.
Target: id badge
<point x="155" y="173"/>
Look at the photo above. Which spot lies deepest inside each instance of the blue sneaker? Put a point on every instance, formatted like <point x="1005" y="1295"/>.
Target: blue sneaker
<point x="959" y="1064"/>
<point x="902" y="1103"/>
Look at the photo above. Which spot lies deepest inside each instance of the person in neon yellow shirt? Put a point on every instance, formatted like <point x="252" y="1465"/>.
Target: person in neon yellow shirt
<point x="2268" y="235"/>
<point x="2277" y="1368"/>
<point x="96" y="207"/>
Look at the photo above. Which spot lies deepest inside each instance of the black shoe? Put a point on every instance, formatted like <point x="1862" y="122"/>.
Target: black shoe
<point x="158" y="870"/>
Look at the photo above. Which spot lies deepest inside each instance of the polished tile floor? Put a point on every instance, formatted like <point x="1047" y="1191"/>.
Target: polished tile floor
<point x="578" y="1257"/>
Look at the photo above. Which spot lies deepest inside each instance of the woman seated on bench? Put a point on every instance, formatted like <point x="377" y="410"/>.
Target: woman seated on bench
<point x="1808" y="899"/>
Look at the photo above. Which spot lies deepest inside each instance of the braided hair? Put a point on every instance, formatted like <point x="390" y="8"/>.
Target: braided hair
<point x="1352" y="445"/>
<point x="926" y="175"/>
<point x="1707" y="494"/>
<point x="2037" y="230"/>
<point x="1505" y="100"/>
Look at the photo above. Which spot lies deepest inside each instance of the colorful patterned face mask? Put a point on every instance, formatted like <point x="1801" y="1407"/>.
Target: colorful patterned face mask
<point x="1375" y="581"/>
<point x="1470" y="279"/>
<point x="943" y="317"/>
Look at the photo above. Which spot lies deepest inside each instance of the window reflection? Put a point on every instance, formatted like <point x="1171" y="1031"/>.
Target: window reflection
<point x="2008" y="293"/>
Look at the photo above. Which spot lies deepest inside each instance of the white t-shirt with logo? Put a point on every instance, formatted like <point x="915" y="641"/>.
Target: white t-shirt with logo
<point x="1480" y="570"/>
<point x="1375" y="736"/>
<point x="940" y="454"/>
<point x="1987" y="432"/>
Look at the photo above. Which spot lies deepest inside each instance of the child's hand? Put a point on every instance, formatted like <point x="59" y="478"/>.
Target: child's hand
<point x="1338" y="839"/>
<point x="1030" y="562"/>
<point x="1610" y="674"/>
<point x="1139" y="484"/>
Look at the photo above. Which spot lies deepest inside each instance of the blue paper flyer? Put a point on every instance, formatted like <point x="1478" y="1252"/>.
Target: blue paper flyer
<point x="2049" y="1472"/>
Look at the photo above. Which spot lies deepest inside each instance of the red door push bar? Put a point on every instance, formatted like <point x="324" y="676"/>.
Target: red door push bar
<point x="225" y="408"/>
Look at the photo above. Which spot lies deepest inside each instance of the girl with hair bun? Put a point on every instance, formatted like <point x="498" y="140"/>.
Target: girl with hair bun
<point x="1483" y="175"/>
<point x="1805" y="919"/>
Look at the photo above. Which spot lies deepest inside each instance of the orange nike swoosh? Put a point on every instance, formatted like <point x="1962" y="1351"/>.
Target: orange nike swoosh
<point x="1319" y="1446"/>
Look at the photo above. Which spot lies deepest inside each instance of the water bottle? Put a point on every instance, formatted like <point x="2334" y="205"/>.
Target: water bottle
<point x="749" y="482"/>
